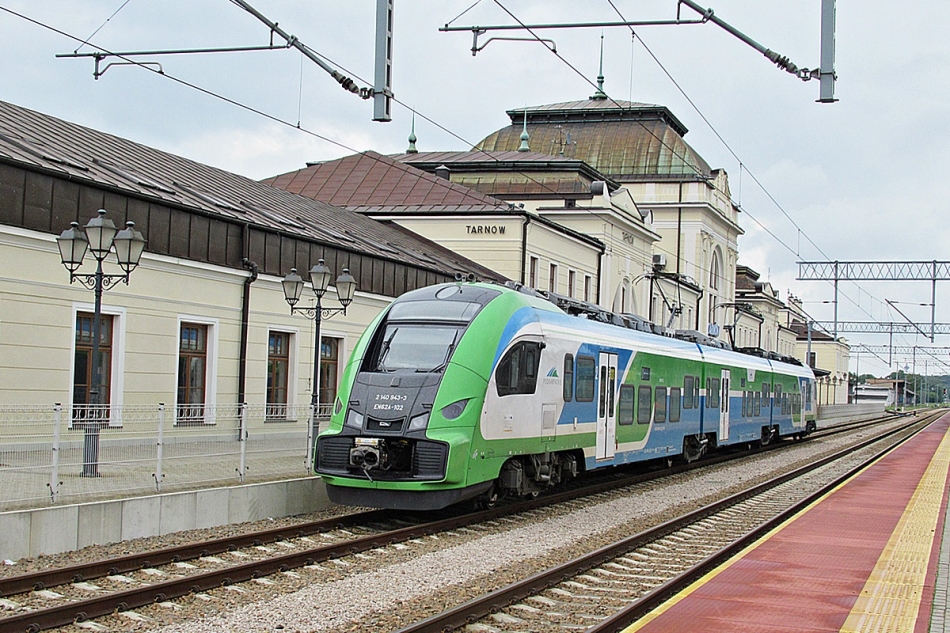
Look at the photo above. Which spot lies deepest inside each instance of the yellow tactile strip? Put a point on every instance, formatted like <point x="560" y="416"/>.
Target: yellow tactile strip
<point x="890" y="600"/>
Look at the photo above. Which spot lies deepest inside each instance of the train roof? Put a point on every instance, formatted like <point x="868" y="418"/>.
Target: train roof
<point x="711" y="348"/>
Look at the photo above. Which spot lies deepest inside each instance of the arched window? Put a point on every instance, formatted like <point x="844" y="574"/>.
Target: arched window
<point x="715" y="270"/>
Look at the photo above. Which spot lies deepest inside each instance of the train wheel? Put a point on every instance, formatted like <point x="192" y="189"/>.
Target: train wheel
<point x="488" y="500"/>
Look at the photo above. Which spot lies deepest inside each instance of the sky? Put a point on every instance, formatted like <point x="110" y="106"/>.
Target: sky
<point x="861" y="179"/>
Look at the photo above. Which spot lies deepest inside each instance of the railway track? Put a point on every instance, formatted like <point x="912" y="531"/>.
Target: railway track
<point x="62" y="596"/>
<point x="607" y="590"/>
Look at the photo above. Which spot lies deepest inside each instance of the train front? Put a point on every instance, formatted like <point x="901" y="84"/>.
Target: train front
<point x="409" y="403"/>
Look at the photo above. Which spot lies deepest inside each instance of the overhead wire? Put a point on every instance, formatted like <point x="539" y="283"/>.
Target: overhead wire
<point x="729" y="148"/>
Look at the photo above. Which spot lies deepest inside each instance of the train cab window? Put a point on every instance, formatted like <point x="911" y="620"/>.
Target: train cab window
<point x="645" y="403"/>
<point x="688" y="392"/>
<point x="660" y="408"/>
<point x="517" y="373"/>
<point x="568" y="377"/>
<point x="674" y="404"/>
<point x="584" y="376"/>
<point x="625" y="407"/>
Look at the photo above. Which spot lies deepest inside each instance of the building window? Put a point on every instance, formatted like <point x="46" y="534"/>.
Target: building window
<point x="83" y="368"/>
<point x="192" y="373"/>
<point x="587" y="284"/>
<point x="329" y="366"/>
<point x="278" y="370"/>
<point x="812" y="358"/>
<point x="715" y="270"/>
<point x="571" y="282"/>
<point x="533" y="272"/>
<point x="552" y="278"/>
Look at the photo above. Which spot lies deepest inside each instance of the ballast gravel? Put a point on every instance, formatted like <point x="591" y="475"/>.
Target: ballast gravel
<point x="383" y="597"/>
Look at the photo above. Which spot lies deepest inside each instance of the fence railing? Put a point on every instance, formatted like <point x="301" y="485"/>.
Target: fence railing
<point x="49" y="454"/>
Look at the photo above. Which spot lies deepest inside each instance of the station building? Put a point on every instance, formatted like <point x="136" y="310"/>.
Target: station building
<point x="203" y="322"/>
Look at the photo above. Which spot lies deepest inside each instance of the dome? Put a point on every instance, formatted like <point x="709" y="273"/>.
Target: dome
<point x="625" y="140"/>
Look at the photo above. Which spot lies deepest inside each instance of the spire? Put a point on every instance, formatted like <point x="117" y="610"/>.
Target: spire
<point x="412" y="137"/>
<point x="600" y="94"/>
<point x="524" y="134"/>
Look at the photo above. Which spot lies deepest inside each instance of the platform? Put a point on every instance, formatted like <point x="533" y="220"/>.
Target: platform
<point x="872" y="555"/>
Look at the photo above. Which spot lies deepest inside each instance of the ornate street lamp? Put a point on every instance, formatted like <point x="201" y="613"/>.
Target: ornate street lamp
<point x="100" y="237"/>
<point x="320" y="281"/>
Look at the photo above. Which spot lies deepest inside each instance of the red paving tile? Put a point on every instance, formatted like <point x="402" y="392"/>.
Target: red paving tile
<point x="808" y="576"/>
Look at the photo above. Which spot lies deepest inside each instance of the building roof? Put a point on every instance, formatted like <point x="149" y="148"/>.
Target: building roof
<point x="42" y="143"/>
<point x="370" y="183"/>
<point x="625" y="140"/>
<point x="371" y="180"/>
<point x="512" y="174"/>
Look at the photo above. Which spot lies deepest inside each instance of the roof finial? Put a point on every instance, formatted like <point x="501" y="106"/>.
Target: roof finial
<point x="600" y="94"/>
<point x="524" y="134"/>
<point x="412" y="137"/>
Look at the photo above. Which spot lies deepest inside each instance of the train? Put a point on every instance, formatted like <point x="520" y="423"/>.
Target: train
<point x="473" y="391"/>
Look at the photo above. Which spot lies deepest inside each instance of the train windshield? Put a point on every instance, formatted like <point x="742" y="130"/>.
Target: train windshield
<point x="421" y="348"/>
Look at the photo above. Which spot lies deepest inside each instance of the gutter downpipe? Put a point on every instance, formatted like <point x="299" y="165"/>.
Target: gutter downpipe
<point x="524" y="245"/>
<point x="245" y="316"/>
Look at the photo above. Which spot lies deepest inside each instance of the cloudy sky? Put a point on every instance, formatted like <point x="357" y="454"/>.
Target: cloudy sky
<point x="862" y="179"/>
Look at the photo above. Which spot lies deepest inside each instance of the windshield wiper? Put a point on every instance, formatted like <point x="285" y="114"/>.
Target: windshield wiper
<point x="448" y="353"/>
<point x="384" y="351"/>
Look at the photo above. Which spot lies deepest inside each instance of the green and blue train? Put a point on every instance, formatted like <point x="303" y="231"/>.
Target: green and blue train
<point x="474" y="391"/>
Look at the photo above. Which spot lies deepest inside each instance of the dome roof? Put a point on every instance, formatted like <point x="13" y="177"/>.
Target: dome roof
<point x="625" y="140"/>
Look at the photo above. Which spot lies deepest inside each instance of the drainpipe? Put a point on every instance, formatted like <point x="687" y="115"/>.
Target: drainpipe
<point x="699" y="300"/>
<point x="245" y="316"/>
<point x="600" y="272"/>
<point x="524" y="246"/>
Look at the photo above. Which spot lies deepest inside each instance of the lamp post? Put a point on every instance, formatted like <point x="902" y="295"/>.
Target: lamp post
<point x="320" y="280"/>
<point x="99" y="237"/>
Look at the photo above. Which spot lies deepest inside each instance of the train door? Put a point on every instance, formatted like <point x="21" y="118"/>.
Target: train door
<point x="724" y="405"/>
<point x="606" y="411"/>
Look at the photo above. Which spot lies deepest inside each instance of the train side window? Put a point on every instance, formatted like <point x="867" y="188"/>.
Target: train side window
<point x="778" y="396"/>
<point x="568" y="377"/>
<point x="766" y="394"/>
<point x="709" y="394"/>
<point x="517" y="372"/>
<point x="644" y="402"/>
<point x="625" y="412"/>
<point x="603" y="391"/>
<point x="712" y="394"/>
<point x="696" y="384"/>
<point x="584" y="375"/>
<point x="660" y="414"/>
<point x="688" y="392"/>
<point x="745" y="403"/>
<point x="758" y="403"/>
<point x="674" y="404"/>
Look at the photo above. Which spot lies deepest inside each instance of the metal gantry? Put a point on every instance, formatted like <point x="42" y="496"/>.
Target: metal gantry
<point x="835" y="271"/>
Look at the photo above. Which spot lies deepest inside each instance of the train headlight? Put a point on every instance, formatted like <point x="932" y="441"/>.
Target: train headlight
<point x="419" y="423"/>
<point x="354" y="419"/>
<point x="454" y="410"/>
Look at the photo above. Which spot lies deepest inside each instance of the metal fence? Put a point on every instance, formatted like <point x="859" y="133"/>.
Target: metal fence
<point x="51" y="454"/>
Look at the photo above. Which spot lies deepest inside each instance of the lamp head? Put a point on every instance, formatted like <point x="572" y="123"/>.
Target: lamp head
<point x="129" y="245"/>
<point x="345" y="287"/>
<point x="320" y="278"/>
<point x="293" y="287"/>
<point x="100" y="232"/>
<point x="72" y="247"/>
